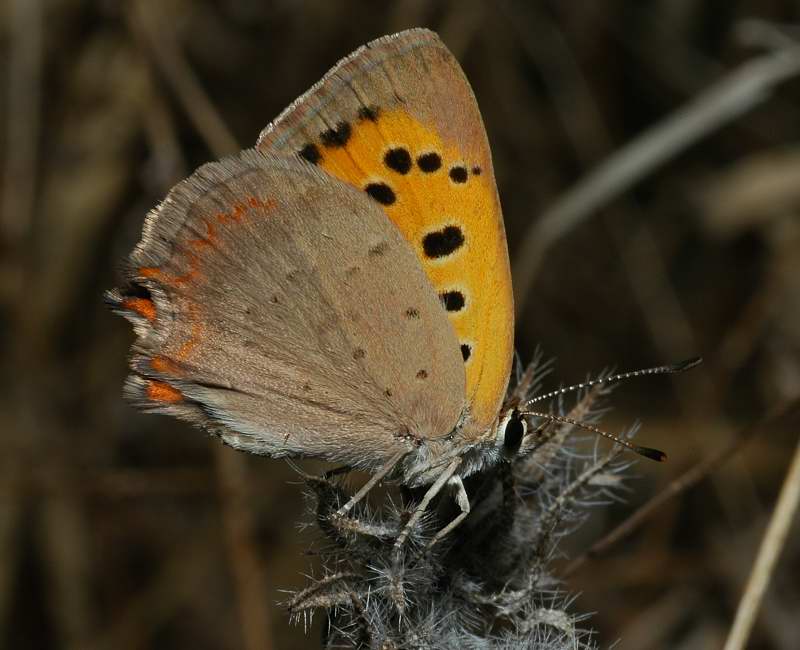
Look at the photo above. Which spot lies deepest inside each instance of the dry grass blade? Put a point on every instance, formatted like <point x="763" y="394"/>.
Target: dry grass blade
<point x="22" y="118"/>
<point x="768" y="554"/>
<point x="248" y="569"/>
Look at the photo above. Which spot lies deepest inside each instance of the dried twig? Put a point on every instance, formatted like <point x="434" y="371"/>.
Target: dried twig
<point x="247" y="566"/>
<point x="23" y="101"/>
<point x="11" y="517"/>
<point x="768" y="554"/>
<point x="63" y="537"/>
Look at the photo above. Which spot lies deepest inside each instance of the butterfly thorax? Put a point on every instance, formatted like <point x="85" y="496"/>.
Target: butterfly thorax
<point x="475" y="450"/>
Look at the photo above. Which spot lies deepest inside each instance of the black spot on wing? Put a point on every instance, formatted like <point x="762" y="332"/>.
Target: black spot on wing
<point x="337" y="137"/>
<point x="381" y="192"/>
<point x="429" y="162"/>
<point x="398" y="160"/>
<point x="442" y="243"/>
<point x="311" y="153"/>
<point x="452" y="300"/>
<point x="378" y="249"/>
<point x="458" y="174"/>
<point x="466" y="351"/>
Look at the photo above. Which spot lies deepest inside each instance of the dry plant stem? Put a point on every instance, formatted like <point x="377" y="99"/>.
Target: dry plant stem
<point x="22" y="106"/>
<point x="492" y="587"/>
<point x="162" y="137"/>
<point x="300" y="600"/>
<point x="768" y="554"/>
<point x="725" y="101"/>
<point x="248" y="569"/>
<point x="551" y="517"/>
<point x="63" y="535"/>
<point x="678" y="486"/>
<point x="11" y="514"/>
<point x="149" y="25"/>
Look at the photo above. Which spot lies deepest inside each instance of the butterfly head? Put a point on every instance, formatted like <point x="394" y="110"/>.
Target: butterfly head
<point x="511" y="431"/>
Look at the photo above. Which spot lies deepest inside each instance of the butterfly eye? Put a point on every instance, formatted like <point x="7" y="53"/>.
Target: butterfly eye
<point x="513" y="433"/>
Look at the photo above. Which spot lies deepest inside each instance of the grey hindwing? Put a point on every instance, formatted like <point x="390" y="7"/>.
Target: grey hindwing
<point x="291" y="316"/>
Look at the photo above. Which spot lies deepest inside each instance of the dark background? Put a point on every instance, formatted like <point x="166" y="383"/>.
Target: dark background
<point x="122" y="530"/>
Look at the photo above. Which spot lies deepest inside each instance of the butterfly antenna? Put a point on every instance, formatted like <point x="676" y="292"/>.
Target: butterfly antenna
<point x="671" y="369"/>
<point x="647" y="452"/>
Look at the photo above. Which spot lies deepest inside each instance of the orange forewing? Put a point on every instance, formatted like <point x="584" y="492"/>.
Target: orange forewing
<point x="398" y="120"/>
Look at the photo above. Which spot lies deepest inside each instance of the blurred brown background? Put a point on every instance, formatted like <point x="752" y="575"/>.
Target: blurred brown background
<point x="121" y="530"/>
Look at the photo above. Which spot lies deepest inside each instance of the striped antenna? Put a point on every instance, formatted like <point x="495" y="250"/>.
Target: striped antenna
<point x="647" y="452"/>
<point x="613" y="379"/>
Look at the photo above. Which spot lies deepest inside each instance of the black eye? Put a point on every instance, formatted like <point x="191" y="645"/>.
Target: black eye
<point x="514" y="432"/>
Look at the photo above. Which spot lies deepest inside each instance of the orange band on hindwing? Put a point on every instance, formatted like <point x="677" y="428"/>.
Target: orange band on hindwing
<point x="142" y="306"/>
<point x="190" y="251"/>
<point x="159" y="391"/>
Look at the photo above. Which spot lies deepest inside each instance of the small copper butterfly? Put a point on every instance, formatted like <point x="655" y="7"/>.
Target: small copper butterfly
<point x="342" y="290"/>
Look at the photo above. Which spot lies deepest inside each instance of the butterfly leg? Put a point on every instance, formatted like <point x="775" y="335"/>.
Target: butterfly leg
<point x="462" y="500"/>
<point x="336" y="471"/>
<point x="371" y="483"/>
<point x="433" y="490"/>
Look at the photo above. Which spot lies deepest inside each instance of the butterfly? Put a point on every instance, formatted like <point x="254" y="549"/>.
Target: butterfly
<point x="342" y="290"/>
